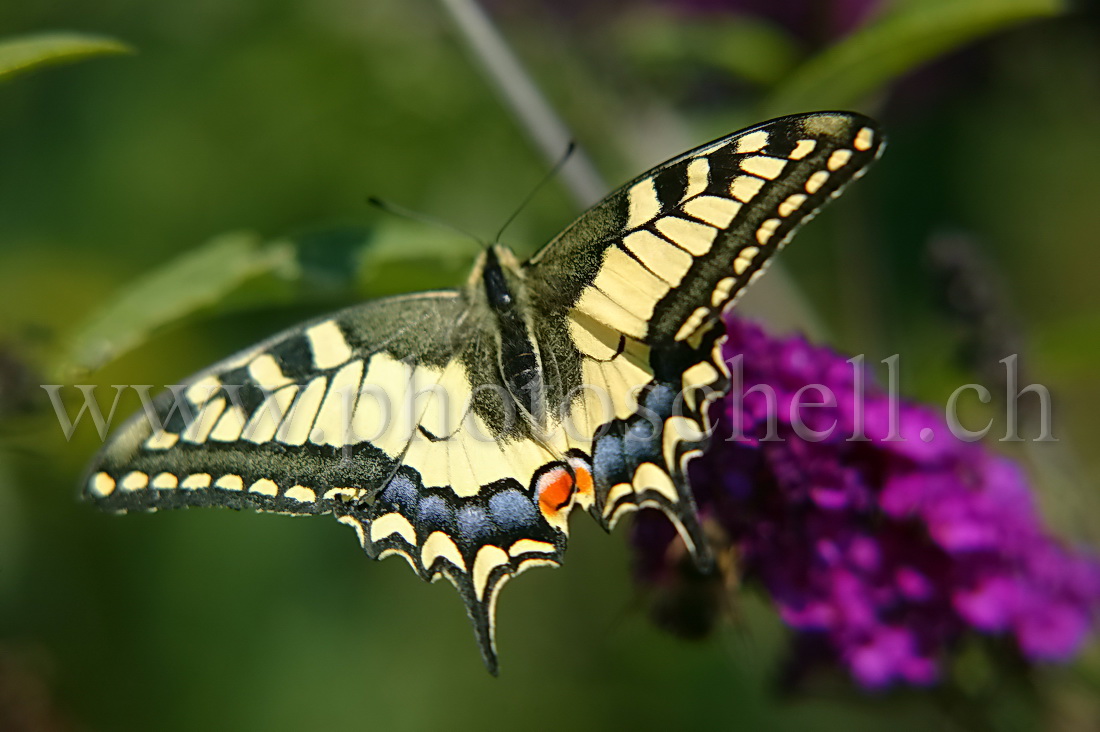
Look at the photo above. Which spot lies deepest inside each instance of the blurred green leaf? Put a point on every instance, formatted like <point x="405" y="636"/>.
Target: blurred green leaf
<point x="185" y="285"/>
<point x="912" y="33"/>
<point x="750" y="48"/>
<point x="408" y="256"/>
<point x="26" y="53"/>
<point x="1067" y="348"/>
<point x="329" y="258"/>
<point x="238" y="270"/>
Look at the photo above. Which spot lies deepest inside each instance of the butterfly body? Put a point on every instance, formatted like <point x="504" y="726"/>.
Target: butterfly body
<point x="518" y="351"/>
<point x="459" y="429"/>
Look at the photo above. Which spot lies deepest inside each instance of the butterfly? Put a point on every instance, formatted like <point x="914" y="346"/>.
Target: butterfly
<point x="459" y="429"/>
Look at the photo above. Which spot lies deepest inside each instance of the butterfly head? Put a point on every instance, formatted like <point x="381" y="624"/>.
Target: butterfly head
<point x="496" y="258"/>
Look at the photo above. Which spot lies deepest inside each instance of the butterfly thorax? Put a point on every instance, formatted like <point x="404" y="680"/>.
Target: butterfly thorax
<point x="499" y="280"/>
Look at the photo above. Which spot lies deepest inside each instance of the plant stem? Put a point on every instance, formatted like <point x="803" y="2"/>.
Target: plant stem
<point x="518" y="91"/>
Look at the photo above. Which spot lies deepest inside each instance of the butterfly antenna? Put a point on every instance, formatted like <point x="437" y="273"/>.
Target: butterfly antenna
<point x="550" y="175"/>
<point x="407" y="213"/>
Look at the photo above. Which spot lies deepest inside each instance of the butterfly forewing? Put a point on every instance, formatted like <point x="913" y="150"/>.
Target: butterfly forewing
<point x="275" y="427"/>
<point x="687" y="236"/>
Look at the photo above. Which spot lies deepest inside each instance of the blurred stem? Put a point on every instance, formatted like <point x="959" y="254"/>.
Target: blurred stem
<point x="518" y="90"/>
<point x="776" y="298"/>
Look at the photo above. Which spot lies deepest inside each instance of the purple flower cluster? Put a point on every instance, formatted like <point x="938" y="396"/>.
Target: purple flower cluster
<point x="886" y="550"/>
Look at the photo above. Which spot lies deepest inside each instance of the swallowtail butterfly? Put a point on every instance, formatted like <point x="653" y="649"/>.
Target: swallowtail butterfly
<point x="459" y="429"/>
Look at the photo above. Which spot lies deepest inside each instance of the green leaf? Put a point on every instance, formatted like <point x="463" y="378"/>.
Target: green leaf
<point x="407" y="256"/>
<point x="912" y="33"/>
<point x="238" y="271"/>
<point x="194" y="281"/>
<point x="26" y="53"/>
<point x="750" y="48"/>
<point x="754" y="50"/>
<point x="1066" y="349"/>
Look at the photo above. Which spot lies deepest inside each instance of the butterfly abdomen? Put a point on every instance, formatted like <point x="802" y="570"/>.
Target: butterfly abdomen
<point x="518" y="355"/>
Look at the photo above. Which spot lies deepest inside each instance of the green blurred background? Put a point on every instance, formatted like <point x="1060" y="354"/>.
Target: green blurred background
<point x="976" y="236"/>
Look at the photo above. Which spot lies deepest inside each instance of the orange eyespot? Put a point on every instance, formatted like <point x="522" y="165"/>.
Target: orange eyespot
<point x="584" y="477"/>
<point x="555" y="491"/>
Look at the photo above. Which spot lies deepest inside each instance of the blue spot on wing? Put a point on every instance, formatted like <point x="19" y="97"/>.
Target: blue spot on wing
<point x="401" y="493"/>
<point x="608" y="463"/>
<point x="512" y="510"/>
<point x="641" y="443"/>
<point x="661" y="399"/>
<point x="435" y="514"/>
<point x="474" y="525"/>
